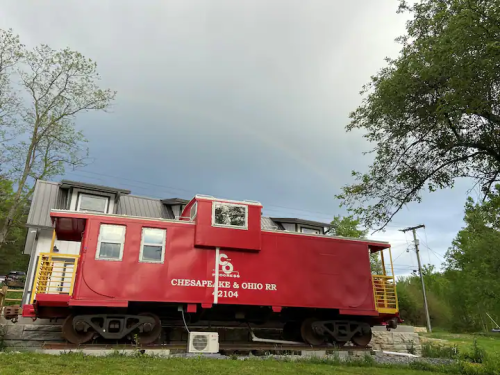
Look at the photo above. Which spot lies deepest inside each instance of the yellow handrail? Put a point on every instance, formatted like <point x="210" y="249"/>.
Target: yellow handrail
<point x="384" y="289"/>
<point x="55" y="274"/>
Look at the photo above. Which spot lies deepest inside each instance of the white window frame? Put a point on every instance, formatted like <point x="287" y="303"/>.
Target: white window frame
<point x="163" y="245"/>
<point x="122" y="243"/>
<point x="195" y="206"/>
<point x="78" y="208"/>
<point x="310" y="228"/>
<point x="214" y="224"/>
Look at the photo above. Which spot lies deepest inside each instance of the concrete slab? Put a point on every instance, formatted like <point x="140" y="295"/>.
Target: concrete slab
<point x="399" y="329"/>
<point x="107" y="352"/>
<point x="313" y="353"/>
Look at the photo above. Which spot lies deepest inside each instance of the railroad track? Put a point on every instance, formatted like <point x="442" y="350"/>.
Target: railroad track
<point x="223" y="347"/>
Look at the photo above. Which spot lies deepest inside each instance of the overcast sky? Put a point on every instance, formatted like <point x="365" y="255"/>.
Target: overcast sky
<point x="237" y="99"/>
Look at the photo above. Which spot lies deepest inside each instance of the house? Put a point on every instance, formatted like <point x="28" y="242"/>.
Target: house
<point x="80" y="196"/>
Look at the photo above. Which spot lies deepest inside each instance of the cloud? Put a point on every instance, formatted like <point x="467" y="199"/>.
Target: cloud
<point x="239" y="99"/>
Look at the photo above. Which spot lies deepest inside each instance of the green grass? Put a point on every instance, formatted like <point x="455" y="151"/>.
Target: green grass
<point x="490" y="342"/>
<point x="16" y="295"/>
<point x="40" y="364"/>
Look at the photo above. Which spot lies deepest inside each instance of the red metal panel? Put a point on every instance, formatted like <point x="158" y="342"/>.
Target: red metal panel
<point x="292" y="270"/>
<point x="52" y="299"/>
<point x="232" y="238"/>
<point x="97" y="302"/>
<point x="28" y="311"/>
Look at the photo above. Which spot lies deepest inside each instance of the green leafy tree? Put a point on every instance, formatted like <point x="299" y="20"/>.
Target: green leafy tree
<point x="433" y="113"/>
<point x="348" y="226"/>
<point x="41" y="93"/>
<point x="11" y="253"/>
<point x="473" y="261"/>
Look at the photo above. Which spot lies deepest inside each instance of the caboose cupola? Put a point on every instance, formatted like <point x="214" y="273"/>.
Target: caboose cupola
<point x="225" y="223"/>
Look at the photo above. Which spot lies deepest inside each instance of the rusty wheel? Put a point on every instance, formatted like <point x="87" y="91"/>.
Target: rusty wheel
<point x="362" y="338"/>
<point x="76" y="335"/>
<point x="308" y="334"/>
<point x="150" y="333"/>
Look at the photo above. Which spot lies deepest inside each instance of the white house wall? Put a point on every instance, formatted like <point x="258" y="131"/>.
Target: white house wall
<point x="289" y="227"/>
<point x="42" y="245"/>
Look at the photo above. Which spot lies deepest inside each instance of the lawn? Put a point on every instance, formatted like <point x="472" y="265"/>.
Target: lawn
<point x="489" y="342"/>
<point x="17" y="294"/>
<point x="40" y="364"/>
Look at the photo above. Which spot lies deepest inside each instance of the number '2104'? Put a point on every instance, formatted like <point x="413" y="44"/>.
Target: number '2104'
<point x="226" y="294"/>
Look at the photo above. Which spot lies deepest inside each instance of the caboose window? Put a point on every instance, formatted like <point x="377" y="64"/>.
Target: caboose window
<point x="229" y="215"/>
<point x="193" y="211"/>
<point x="111" y="241"/>
<point x="153" y="245"/>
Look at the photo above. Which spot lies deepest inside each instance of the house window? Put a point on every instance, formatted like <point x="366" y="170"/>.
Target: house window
<point x="153" y="245"/>
<point x="92" y="203"/>
<point x="309" y="230"/>
<point x="193" y="211"/>
<point x="229" y="215"/>
<point x="111" y="242"/>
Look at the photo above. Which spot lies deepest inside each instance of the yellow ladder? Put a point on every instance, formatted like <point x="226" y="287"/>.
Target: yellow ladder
<point x="384" y="288"/>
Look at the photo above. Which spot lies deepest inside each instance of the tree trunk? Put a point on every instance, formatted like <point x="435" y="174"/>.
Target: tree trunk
<point x="9" y="220"/>
<point x="4" y="230"/>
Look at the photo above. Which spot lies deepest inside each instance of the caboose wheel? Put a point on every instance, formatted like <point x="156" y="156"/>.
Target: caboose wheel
<point x="76" y="335"/>
<point x="308" y="334"/>
<point x="362" y="338"/>
<point x="149" y="333"/>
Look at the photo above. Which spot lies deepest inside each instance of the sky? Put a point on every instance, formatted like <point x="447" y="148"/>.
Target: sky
<point x="237" y="99"/>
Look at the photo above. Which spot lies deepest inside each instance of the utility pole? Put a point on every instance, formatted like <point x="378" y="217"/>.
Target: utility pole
<point x="413" y="229"/>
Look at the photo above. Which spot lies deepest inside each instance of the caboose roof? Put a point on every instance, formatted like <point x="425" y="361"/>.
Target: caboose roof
<point x="74" y="227"/>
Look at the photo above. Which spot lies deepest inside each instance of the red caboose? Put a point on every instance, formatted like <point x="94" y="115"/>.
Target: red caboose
<point x="214" y="264"/>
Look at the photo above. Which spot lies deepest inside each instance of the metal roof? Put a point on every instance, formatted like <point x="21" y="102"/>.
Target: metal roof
<point x="301" y="221"/>
<point x="45" y="198"/>
<point x="51" y="195"/>
<point x="268" y="224"/>
<point x="174" y="201"/>
<point x="83" y="185"/>
<point x="133" y="205"/>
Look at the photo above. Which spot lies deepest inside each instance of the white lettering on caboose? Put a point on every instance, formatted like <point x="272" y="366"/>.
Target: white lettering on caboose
<point x="226" y="269"/>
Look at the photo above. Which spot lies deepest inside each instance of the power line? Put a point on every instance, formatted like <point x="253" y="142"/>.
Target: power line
<point x="314" y="214"/>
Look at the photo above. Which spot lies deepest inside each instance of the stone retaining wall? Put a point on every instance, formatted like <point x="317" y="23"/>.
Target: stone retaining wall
<point x="401" y="342"/>
<point x="27" y="334"/>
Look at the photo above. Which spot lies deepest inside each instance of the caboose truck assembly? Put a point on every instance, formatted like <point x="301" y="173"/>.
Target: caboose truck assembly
<point x="213" y="266"/>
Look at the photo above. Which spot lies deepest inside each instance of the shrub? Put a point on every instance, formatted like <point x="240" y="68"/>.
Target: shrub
<point x="432" y="350"/>
<point x="2" y="342"/>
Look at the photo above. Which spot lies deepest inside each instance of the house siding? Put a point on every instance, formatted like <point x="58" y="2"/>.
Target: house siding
<point x="132" y="205"/>
<point x="45" y="198"/>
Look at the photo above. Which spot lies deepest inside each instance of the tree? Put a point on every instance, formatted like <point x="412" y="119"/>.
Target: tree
<point x="11" y="256"/>
<point x="41" y="93"/>
<point x="433" y="113"/>
<point x="348" y="226"/>
<point x="473" y="261"/>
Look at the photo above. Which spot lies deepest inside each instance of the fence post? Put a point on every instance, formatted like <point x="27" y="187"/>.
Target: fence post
<point x="3" y="293"/>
